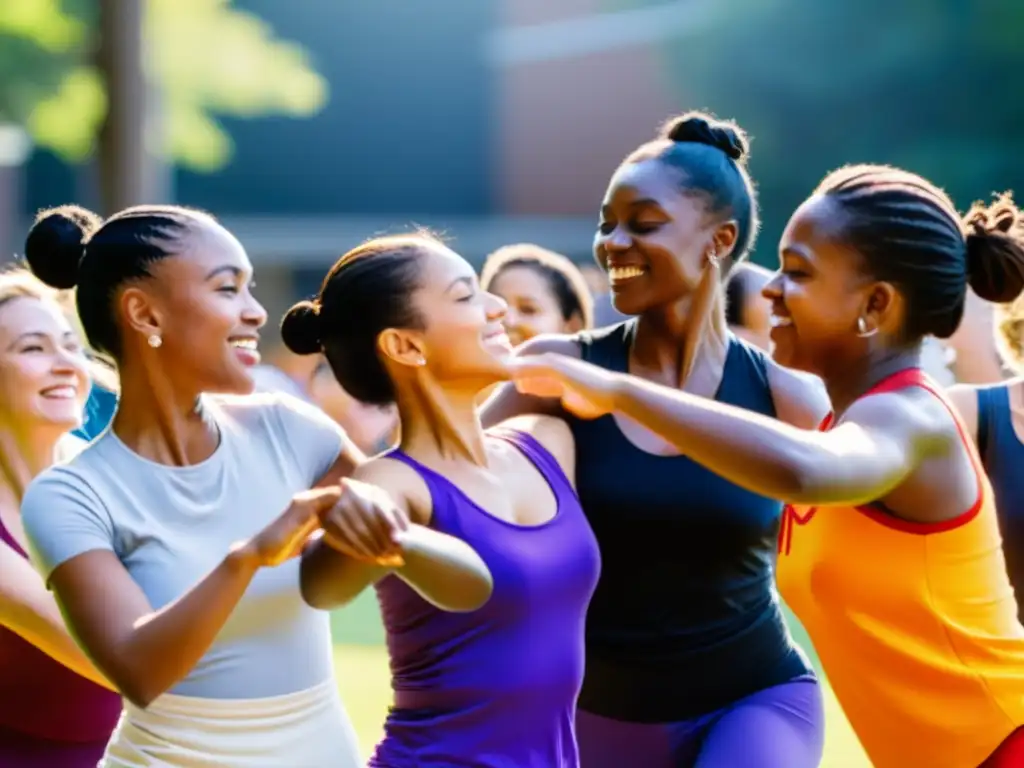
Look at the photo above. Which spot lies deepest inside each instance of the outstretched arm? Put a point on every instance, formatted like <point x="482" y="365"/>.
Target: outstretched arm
<point x="878" y="445"/>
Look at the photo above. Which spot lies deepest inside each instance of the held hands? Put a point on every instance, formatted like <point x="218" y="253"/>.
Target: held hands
<point x="584" y="389"/>
<point x="284" y="538"/>
<point x="366" y="525"/>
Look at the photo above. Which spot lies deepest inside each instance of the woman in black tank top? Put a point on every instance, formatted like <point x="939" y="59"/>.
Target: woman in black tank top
<point x="684" y="636"/>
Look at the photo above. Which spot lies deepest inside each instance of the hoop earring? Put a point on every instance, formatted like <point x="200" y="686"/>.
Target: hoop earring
<point x="862" y="329"/>
<point x="155" y="341"/>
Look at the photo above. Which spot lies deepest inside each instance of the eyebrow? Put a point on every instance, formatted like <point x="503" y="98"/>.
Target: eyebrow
<point x="467" y="281"/>
<point x="795" y="250"/>
<point x="644" y="202"/>
<point x="233" y="271"/>
<point x="37" y="335"/>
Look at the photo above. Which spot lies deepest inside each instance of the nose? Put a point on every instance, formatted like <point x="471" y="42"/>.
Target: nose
<point x="254" y="314"/>
<point x="496" y="307"/>
<point x="511" y="317"/>
<point x="615" y="240"/>
<point x="68" y="361"/>
<point x="773" y="288"/>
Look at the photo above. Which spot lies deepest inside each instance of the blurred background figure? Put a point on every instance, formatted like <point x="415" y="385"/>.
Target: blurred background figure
<point x="545" y="292"/>
<point x="55" y="708"/>
<point x="994" y="415"/>
<point x="374" y="428"/>
<point x="746" y="310"/>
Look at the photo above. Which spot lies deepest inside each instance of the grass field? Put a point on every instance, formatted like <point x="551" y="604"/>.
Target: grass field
<point x="362" y="670"/>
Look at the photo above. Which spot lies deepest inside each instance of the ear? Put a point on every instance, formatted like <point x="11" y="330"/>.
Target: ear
<point x="141" y="312"/>
<point x="882" y="307"/>
<point x="724" y="239"/>
<point x="403" y="347"/>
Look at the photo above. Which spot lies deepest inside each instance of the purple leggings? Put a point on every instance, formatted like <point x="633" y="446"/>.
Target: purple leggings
<point x="779" y="727"/>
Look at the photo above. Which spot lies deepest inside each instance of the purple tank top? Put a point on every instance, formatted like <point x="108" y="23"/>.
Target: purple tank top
<point x="42" y="700"/>
<point x="496" y="687"/>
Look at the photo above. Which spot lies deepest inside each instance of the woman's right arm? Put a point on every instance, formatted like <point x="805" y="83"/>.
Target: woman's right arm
<point x="337" y="567"/>
<point x="142" y="651"/>
<point x="28" y="610"/>
<point x="507" y="402"/>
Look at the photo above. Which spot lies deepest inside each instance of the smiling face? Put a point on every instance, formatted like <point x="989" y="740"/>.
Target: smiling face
<point x="462" y="341"/>
<point x="43" y="379"/>
<point x="820" y="293"/>
<point x="204" y="312"/>
<point x="653" y="240"/>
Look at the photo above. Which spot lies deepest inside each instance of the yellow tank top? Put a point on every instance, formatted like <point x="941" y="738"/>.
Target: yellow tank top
<point x="915" y="624"/>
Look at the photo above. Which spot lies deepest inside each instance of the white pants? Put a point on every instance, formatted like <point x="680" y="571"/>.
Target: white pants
<point x="308" y="729"/>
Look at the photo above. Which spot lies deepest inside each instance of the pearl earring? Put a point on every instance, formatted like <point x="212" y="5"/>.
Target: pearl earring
<point x="155" y="341"/>
<point x="862" y="329"/>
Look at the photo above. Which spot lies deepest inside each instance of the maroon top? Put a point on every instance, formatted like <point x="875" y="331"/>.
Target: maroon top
<point x="41" y="698"/>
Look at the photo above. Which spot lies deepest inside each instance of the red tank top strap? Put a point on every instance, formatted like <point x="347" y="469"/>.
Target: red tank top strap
<point x="915" y="377"/>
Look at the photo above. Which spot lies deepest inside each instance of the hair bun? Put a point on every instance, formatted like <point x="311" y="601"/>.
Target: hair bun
<point x="700" y="128"/>
<point x="300" y="328"/>
<point x="995" y="250"/>
<point x="56" y="243"/>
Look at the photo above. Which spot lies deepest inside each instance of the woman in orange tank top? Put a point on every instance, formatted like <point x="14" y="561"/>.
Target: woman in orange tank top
<point x="890" y="551"/>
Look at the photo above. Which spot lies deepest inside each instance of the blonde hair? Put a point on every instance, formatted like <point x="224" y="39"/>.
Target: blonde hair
<point x="1009" y="333"/>
<point x="19" y="283"/>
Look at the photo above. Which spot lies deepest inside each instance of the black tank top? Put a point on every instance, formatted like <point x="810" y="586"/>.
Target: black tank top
<point x="685" y="619"/>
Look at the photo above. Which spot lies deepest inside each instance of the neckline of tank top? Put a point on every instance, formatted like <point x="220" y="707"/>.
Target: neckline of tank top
<point x="8" y="538"/>
<point x="206" y="464"/>
<point x="733" y="344"/>
<point x="437" y="476"/>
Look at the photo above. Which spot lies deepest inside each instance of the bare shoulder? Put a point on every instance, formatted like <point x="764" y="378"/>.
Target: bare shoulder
<point x="911" y="415"/>
<point x="965" y="399"/>
<point x="800" y="398"/>
<point x="402" y="483"/>
<point x="552" y="433"/>
<point x="556" y="343"/>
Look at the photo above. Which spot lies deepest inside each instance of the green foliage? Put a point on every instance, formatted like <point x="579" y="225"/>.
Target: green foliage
<point x="926" y="85"/>
<point x="205" y="57"/>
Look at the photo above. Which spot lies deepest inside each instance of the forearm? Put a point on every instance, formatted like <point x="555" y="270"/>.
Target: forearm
<point x="330" y="579"/>
<point x="753" y="451"/>
<point x="164" y="646"/>
<point x="444" y="570"/>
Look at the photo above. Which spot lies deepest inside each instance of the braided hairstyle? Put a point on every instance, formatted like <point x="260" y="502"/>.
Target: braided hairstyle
<point x="909" y="234"/>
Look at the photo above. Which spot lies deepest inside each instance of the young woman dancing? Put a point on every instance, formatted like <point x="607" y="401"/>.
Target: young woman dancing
<point x="890" y="556"/>
<point x="403" y="319"/>
<point x="689" y="661"/>
<point x="157" y="538"/>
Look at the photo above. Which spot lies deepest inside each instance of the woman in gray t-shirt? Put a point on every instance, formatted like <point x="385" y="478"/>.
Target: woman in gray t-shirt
<point x="154" y="539"/>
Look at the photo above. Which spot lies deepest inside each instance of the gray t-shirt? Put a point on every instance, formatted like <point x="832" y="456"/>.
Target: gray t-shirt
<point x="170" y="526"/>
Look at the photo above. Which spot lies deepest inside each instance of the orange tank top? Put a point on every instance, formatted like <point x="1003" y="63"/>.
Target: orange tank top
<point x="915" y="624"/>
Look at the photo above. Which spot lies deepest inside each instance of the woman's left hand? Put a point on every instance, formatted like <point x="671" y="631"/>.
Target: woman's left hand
<point x="584" y="389"/>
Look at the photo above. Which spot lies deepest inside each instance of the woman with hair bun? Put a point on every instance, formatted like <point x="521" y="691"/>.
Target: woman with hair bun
<point x="164" y="540"/>
<point x="689" y="661"/>
<point x="403" y="319"/>
<point x="890" y="556"/>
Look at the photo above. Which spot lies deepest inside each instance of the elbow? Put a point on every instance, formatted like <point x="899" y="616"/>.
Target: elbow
<point x="138" y="691"/>
<point x="476" y="594"/>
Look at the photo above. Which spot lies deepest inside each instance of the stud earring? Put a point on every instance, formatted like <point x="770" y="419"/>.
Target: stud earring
<point x="713" y="259"/>
<point x="862" y="329"/>
<point x="155" y="341"/>
<point x="421" y="362"/>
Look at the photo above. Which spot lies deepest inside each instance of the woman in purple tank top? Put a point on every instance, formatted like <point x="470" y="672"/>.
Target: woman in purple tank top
<point x="403" y="319"/>
<point x="53" y="710"/>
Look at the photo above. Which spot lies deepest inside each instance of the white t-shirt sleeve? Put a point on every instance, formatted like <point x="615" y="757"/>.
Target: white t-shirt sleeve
<point x="313" y="438"/>
<point x="63" y="518"/>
